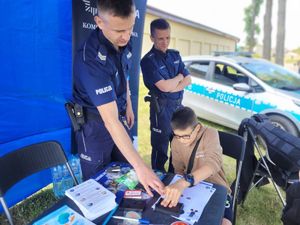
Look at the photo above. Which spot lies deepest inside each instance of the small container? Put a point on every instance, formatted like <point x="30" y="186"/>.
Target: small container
<point x="179" y="223"/>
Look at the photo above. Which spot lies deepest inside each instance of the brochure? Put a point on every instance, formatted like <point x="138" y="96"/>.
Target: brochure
<point x="92" y="198"/>
<point x="64" y="215"/>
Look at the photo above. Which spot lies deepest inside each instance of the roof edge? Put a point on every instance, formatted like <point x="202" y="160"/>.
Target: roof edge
<point x="160" y="13"/>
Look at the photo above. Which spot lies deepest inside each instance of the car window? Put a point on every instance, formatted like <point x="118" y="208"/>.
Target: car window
<point x="228" y="75"/>
<point x="198" y="69"/>
<point x="274" y="75"/>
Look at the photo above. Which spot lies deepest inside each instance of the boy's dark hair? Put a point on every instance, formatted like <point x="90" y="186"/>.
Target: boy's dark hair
<point x="183" y="118"/>
<point x="120" y="8"/>
<point x="160" y="24"/>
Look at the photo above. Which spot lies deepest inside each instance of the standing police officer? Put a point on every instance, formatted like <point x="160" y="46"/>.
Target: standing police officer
<point x="165" y="76"/>
<point x="101" y="86"/>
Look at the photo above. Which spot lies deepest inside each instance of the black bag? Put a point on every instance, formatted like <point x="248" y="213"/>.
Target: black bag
<point x="283" y="147"/>
<point x="291" y="212"/>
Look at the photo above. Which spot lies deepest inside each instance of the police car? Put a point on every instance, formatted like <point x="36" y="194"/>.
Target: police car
<point x="227" y="89"/>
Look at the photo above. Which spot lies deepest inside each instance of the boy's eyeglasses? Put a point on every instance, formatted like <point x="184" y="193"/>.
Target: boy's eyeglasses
<point x="185" y="137"/>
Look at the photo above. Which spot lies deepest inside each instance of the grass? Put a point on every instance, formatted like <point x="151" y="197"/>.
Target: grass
<point x="262" y="206"/>
<point x="31" y="207"/>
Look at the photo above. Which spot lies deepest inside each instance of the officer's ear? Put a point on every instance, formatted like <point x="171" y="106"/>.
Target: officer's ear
<point x="98" y="21"/>
<point x="152" y="38"/>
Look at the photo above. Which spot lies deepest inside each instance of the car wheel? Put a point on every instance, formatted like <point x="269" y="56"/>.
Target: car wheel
<point x="284" y="124"/>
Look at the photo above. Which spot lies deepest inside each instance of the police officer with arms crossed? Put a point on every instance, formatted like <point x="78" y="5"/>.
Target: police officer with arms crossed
<point x="165" y="76"/>
<point x="101" y="86"/>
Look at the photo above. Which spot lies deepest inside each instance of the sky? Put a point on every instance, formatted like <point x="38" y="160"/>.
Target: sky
<point x="227" y="16"/>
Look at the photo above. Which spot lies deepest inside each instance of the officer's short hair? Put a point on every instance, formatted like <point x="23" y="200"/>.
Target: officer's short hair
<point x="183" y="118"/>
<point x="120" y="8"/>
<point x="160" y="24"/>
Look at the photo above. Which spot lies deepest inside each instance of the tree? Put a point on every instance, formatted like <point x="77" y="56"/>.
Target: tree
<point x="267" y="41"/>
<point x="251" y="27"/>
<point x="280" y="38"/>
<point x="297" y="50"/>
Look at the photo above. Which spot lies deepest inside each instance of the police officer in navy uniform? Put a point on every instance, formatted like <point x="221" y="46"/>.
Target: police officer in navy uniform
<point x="165" y="76"/>
<point x="101" y="86"/>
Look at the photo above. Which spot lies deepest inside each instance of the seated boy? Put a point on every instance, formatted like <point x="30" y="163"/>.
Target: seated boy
<point x="208" y="158"/>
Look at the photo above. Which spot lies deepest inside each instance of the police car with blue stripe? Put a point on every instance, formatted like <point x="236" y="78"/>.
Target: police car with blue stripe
<point x="226" y="89"/>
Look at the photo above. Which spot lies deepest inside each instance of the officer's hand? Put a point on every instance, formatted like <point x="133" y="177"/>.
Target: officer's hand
<point x="149" y="180"/>
<point x="129" y="117"/>
<point x="180" y="76"/>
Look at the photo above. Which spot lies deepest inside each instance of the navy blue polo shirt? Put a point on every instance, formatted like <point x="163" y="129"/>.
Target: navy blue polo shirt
<point x="157" y="65"/>
<point x="101" y="73"/>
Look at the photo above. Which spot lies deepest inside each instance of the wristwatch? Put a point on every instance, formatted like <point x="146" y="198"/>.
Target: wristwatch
<point x="189" y="178"/>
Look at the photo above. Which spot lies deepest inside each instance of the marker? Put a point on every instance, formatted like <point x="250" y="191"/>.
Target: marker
<point x="142" y="221"/>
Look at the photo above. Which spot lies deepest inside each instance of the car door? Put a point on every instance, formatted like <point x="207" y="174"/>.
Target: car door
<point x="195" y="95"/>
<point x="230" y="106"/>
<point x="214" y="98"/>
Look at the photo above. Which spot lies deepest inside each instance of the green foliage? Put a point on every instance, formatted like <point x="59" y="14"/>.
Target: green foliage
<point x="297" y="50"/>
<point x="251" y="27"/>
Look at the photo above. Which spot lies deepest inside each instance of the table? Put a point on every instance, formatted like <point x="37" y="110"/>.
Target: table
<point x="212" y="214"/>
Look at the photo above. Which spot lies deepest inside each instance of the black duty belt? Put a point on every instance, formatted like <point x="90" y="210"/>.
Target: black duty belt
<point x="166" y="101"/>
<point x="90" y="115"/>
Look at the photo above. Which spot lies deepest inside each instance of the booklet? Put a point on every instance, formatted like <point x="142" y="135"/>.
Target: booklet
<point x="92" y="198"/>
<point x="63" y="215"/>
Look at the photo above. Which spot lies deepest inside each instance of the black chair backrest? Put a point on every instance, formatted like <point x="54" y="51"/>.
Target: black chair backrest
<point x="26" y="161"/>
<point x="234" y="146"/>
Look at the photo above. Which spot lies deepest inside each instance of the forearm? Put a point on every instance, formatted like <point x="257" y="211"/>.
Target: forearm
<point x="181" y="85"/>
<point x="174" y="82"/>
<point x="109" y="114"/>
<point x="170" y="84"/>
<point x="123" y="142"/>
<point x="129" y="104"/>
<point x="199" y="175"/>
<point x="202" y="174"/>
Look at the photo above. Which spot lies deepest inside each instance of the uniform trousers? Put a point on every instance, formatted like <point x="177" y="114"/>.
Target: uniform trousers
<point x="96" y="147"/>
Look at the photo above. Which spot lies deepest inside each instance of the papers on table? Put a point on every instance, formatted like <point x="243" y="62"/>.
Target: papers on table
<point x="194" y="200"/>
<point x="63" y="215"/>
<point x="92" y="198"/>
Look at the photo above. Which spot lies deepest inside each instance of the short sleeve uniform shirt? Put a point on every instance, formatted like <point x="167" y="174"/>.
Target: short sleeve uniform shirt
<point x="157" y="65"/>
<point x="101" y="73"/>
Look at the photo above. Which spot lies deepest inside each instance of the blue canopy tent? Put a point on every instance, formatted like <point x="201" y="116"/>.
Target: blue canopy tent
<point x="36" y="78"/>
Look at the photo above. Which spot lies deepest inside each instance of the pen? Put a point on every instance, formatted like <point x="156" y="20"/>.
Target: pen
<point x="142" y="221"/>
<point x="112" y="212"/>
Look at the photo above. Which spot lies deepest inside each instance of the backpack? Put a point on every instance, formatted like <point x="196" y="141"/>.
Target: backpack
<point x="283" y="147"/>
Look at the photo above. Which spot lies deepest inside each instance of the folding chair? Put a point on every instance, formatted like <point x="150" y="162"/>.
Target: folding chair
<point x="26" y="161"/>
<point x="234" y="147"/>
<point x="267" y="170"/>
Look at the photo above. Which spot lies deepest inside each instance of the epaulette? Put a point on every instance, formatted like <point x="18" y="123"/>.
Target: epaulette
<point x="150" y="55"/>
<point x="173" y="51"/>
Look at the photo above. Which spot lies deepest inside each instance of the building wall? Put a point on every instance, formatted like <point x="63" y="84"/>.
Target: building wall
<point x="189" y="40"/>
